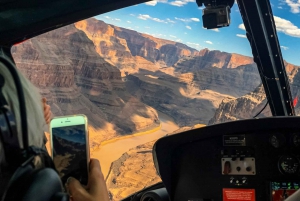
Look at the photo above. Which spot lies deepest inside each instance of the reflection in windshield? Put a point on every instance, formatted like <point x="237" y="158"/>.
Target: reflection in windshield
<point x="141" y="73"/>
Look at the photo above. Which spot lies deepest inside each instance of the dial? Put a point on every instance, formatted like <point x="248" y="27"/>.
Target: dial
<point x="288" y="165"/>
<point x="296" y="140"/>
<point x="277" y="140"/>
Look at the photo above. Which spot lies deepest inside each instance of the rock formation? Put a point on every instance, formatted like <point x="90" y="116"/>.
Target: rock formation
<point x="64" y="65"/>
<point x="130" y="50"/>
<point x="246" y="107"/>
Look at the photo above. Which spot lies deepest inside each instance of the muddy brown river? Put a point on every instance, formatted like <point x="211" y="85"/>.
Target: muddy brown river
<point x="110" y="152"/>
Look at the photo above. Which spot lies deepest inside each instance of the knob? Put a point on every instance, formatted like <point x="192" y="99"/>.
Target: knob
<point x="248" y="169"/>
<point x="244" y="181"/>
<point x="238" y="168"/>
<point x="237" y="181"/>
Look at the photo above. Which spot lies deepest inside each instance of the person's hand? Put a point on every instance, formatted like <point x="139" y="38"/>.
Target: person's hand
<point x="96" y="189"/>
<point x="47" y="111"/>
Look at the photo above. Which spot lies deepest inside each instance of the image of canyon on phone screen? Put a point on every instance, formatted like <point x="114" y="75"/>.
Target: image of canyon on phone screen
<point x="70" y="148"/>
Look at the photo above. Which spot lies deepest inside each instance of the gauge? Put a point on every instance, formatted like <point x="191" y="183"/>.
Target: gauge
<point x="296" y="140"/>
<point x="288" y="165"/>
<point x="277" y="140"/>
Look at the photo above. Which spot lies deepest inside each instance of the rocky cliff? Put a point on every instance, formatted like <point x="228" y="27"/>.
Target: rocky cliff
<point x="246" y="107"/>
<point x="130" y="50"/>
<point x="64" y="65"/>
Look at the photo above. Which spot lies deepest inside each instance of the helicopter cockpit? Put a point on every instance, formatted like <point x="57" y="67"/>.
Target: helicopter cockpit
<point x="253" y="155"/>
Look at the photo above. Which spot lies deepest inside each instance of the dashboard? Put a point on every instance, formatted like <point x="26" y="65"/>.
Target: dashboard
<point x="251" y="160"/>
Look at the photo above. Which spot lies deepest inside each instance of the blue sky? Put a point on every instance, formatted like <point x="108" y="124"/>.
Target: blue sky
<point x="181" y="21"/>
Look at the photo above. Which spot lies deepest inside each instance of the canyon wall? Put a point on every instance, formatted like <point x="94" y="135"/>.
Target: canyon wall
<point x="64" y="65"/>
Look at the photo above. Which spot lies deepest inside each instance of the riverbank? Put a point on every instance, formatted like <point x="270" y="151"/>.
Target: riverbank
<point x="113" y="149"/>
<point x="129" y="136"/>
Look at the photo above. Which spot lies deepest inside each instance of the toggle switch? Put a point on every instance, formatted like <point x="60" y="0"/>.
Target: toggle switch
<point x="227" y="167"/>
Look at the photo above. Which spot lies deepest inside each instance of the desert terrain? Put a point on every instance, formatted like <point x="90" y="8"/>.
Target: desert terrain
<point x="135" y="88"/>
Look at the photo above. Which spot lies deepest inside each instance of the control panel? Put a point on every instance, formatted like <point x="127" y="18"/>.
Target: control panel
<point x="253" y="160"/>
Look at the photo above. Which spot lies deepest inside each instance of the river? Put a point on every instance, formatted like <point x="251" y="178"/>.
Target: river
<point x="110" y="152"/>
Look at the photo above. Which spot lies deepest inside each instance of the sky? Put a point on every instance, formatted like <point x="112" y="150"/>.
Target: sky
<point x="181" y="21"/>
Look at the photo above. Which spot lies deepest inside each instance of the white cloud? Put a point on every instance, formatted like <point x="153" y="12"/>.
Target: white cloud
<point x="151" y="3"/>
<point x="241" y="35"/>
<point x="242" y="26"/>
<point x="132" y="14"/>
<point x="209" y="42"/>
<point x="157" y="20"/>
<point x="178" y="40"/>
<point x="188" y="27"/>
<point x="146" y="17"/>
<point x="279" y="7"/>
<point x="129" y="22"/>
<point x="171" y="21"/>
<point x="286" y="27"/>
<point x="195" y="19"/>
<point x="107" y="17"/>
<point x="187" y="19"/>
<point x="147" y="27"/>
<point x="143" y="17"/>
<point x="173" y="36"/>
<point x="216" y="30"/>
<point x="117" y="19"/>
<point x="178" y="3"/>
<point x="196" y="44"/>
<point x="183" y="20"/>
<point x="284" y="47"/>
<point x="181" y="2"/>
<point x="294" y="4"/>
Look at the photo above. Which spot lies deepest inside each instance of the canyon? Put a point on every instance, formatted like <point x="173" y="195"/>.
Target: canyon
<point x="122" y="79"/>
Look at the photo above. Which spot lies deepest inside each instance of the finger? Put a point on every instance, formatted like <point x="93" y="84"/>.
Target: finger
<point x="48" y="115"/>
<point x="44" y="100"/>
<point x="75" y="190"/>
<point x="47" y="107"/>
<point x="97" y="185"/>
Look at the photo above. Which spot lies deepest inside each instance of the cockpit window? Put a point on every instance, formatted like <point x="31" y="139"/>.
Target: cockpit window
<point x="147" y="71"/>
<point x="286" y="16"/>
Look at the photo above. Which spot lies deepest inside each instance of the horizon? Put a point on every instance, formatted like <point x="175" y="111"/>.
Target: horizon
<point x="183" y="24"/>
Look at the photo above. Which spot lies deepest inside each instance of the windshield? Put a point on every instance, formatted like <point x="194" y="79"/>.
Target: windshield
<point x="286" y="15"/>
<point x="144" y="72"/>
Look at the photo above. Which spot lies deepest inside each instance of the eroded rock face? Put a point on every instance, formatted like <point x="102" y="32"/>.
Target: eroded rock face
<point x="64" y="65"/>
<point x="121" y="46"/>
<point x="246" y="107"/>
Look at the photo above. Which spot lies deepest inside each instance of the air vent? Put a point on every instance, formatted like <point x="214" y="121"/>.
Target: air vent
<point x="156" y="195"/>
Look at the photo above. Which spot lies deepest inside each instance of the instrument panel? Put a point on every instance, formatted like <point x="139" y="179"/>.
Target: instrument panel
<point x="252" y="160"/>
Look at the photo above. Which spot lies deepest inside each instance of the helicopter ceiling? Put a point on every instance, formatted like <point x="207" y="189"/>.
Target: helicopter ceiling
<point x="21" y="20"/>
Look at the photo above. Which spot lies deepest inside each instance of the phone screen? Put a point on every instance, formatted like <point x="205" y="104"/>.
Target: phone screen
<point x="69" y="152"/>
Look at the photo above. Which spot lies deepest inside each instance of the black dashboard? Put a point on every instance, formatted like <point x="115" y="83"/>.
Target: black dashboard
<point x="250" y="160"/>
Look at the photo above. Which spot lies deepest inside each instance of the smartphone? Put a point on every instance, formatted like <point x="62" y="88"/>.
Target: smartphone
<point x="70" y="147"/>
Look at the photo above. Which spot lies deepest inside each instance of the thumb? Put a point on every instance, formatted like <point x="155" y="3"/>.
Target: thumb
<point x="44" y="100"/>
<point x="75" y="190"/>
